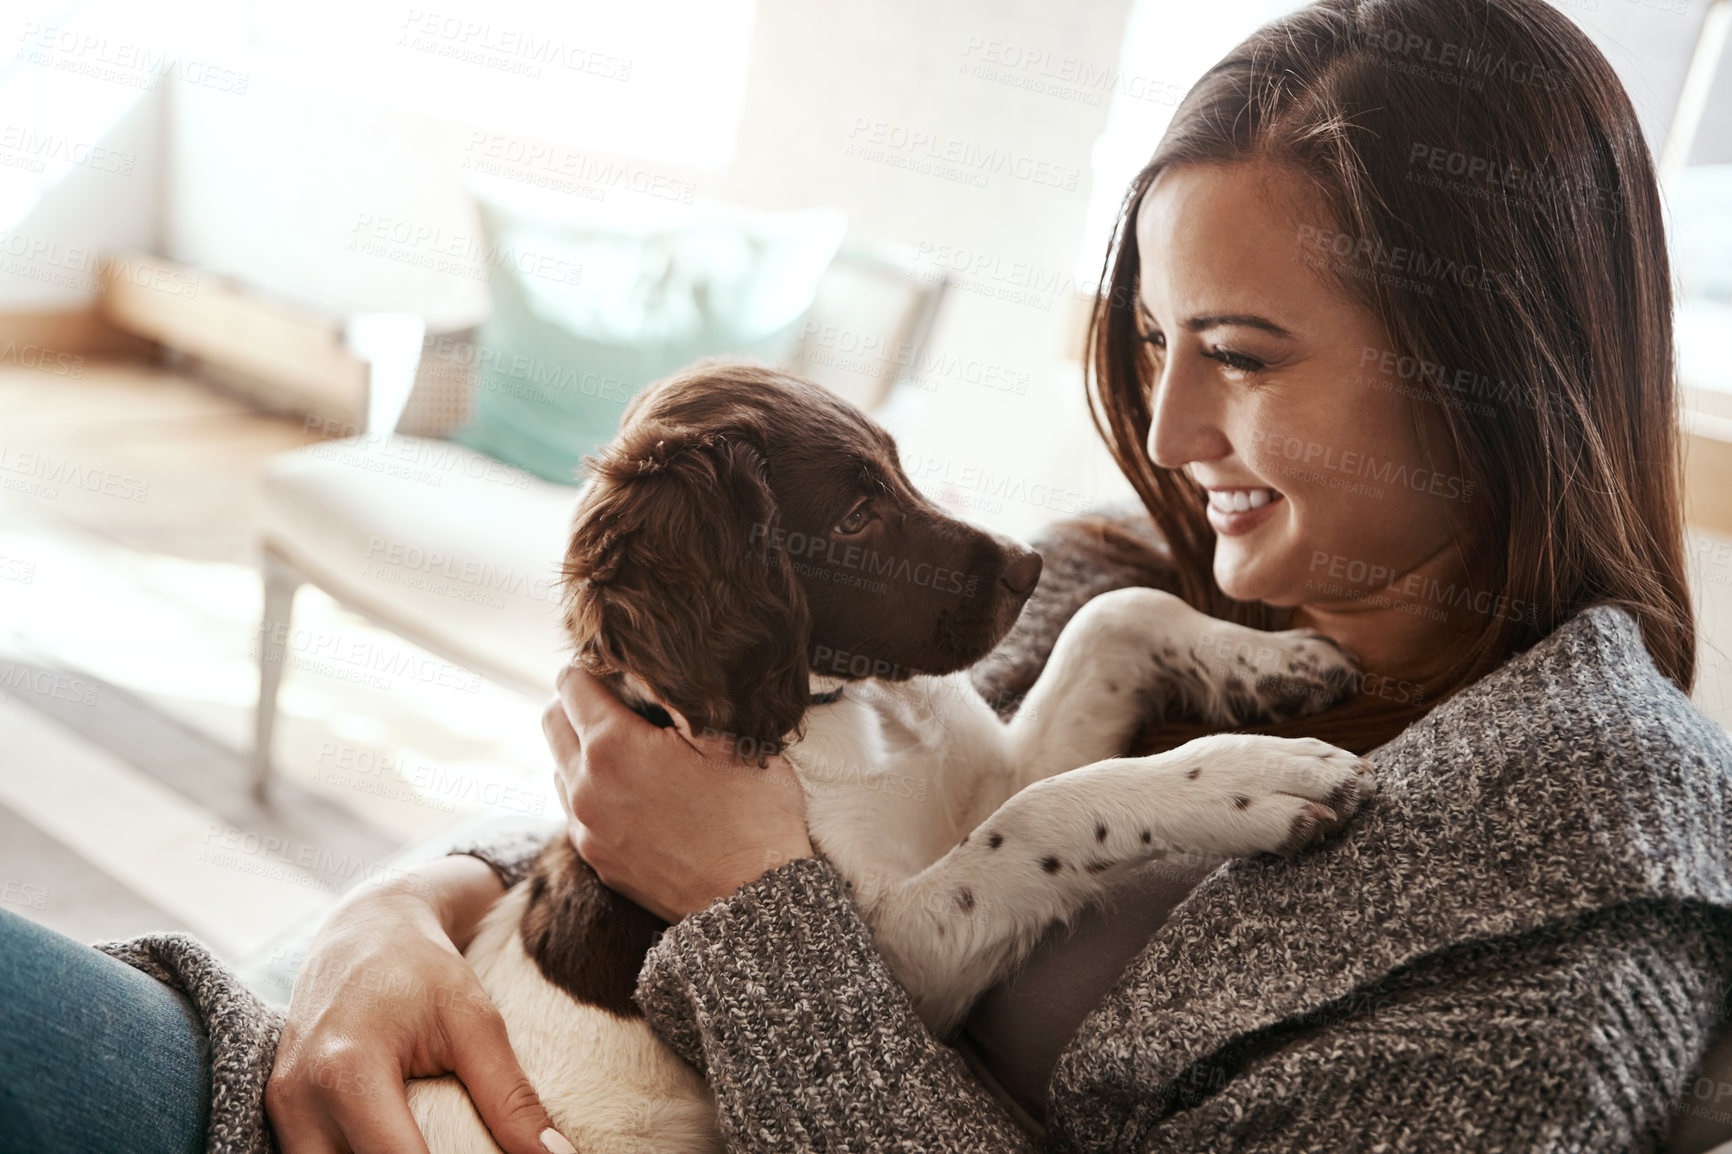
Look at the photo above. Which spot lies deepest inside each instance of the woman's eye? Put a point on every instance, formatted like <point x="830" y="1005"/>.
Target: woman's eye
<point x="855" y="520"/>
<point x="1237" y="361"/>
<point x="1156" y="340"/>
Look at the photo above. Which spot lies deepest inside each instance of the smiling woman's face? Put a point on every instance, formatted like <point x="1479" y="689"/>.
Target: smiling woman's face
<point x="1269" y="391"/>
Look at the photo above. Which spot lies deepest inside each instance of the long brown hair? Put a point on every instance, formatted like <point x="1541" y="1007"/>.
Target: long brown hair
<point x="1492" y="201"/>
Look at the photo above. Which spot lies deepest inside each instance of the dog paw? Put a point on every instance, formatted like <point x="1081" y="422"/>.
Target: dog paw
<point x="1348" y="780"/>
<point x="1275" y="795"/>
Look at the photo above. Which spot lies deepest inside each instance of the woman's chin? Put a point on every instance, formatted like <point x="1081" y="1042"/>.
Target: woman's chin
<point x="1250" y="582"/>
<point x="1238" y="585"/>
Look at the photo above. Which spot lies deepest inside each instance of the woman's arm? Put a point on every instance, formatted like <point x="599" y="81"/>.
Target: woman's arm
<point x="511" y="854"/>
<point x="384" y="995"/>
<point x="1582" y="1035"/>
<point x="768" y="981"/>
<point x="785" y="967"/>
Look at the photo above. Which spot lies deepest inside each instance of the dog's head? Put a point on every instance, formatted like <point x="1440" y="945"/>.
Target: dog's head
<point x="747" y="528"/>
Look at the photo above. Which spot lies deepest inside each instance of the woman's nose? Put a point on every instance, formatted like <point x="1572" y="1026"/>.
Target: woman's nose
<point x="1184" y="425"/>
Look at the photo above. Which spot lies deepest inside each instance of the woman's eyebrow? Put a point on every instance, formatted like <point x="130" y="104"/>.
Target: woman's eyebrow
<point x="1203" y="323"/>
<point x="1200" y="324"/>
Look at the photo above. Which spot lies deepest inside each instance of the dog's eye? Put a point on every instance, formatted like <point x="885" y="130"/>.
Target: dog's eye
<point x="856" y="519"/>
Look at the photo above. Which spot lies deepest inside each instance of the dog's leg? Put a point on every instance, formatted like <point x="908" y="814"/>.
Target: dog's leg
<point x="1131" y="650"/>
<point x="956" y="927"/>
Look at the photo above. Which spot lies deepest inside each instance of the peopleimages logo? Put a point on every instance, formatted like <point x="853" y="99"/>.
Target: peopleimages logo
<point x="1449" y="379"/>
<point x="1415" y="268"/>
<point x="24" y="894"/>
<point x="888" y="143"/>
<point x="41" y="148"/>
<point x="1412" y="593"/>
<point x="1064" y="77"/>
<point x="1434" y="164"/>
<point x="388" y="556"/>
<point x="47" y="683"/>
<point x="1466" y="65"/>
<point x="42" y="359"/>
<point x="521" y="51"/>
<point x="52" y="473"/>
<point x="1366" y="466"/>
<point x="814" y="549"/>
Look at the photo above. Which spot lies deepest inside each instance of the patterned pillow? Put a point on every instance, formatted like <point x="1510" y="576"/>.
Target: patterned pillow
<point x="590" y="305"/>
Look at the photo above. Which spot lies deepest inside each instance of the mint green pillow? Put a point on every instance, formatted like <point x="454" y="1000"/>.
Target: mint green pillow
<point x="592" y="304"/>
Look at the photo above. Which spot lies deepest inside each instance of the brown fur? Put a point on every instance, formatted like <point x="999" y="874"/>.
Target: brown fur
<point x="586" y="939"/>
<point x="672" y="577"/>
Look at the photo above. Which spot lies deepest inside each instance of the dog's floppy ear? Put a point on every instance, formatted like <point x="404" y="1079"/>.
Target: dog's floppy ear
<point x="676" y="573"/>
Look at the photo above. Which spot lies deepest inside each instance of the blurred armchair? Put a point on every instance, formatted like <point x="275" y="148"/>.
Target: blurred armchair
<point x="458" y="552"/>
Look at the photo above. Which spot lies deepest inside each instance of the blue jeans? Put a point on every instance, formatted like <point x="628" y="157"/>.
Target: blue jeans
<point x="94" y="1055"/>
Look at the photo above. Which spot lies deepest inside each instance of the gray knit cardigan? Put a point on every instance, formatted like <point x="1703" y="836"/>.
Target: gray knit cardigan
<point x="1524" y="943"/>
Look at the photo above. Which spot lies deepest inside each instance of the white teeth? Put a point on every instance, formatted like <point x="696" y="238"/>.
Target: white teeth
<point x="1240" y="500"/>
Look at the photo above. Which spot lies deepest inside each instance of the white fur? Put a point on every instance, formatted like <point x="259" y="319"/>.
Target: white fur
<point x="609" y="1084"/>
<point x="896" y="773"/>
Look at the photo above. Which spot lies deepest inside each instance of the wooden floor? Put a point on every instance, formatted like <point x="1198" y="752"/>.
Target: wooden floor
<point x="129" y="601"/>
<point x="180" y="461"/>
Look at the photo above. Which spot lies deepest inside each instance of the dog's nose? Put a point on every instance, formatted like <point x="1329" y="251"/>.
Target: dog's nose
<point x="1023" y="573"/>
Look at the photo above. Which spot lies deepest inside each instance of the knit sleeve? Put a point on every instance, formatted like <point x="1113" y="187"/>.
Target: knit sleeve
<point x="510" y="853"/>
<point x="778" y="995"/>
<point x="1585" y="1035"/>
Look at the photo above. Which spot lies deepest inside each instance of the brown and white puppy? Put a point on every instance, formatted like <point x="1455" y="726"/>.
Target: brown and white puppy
<point x="749" y="559"/>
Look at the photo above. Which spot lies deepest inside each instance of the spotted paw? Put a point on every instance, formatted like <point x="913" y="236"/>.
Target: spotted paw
<point x="1273" y="795"/>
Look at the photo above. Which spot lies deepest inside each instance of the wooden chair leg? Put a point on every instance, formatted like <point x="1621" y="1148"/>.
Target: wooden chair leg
<point x="281" y="580"/>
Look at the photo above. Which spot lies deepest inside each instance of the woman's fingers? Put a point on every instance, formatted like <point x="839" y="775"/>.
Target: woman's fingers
<point x="304" y="1132"/>
<point x="568" y="763"/>
<point x="561" y="737"/>
<point x="383" y="1125"/>
<point x="666" y="818"/>
<point x="384" y="995"/>
<point x="590" y="705"/>
<point x="483" y="1060"/>
<point x="336" y="1107"/>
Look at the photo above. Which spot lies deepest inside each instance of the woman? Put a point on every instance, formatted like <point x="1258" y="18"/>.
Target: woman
<point x="1385" y="347"/>
<point x="1393" y="292"/>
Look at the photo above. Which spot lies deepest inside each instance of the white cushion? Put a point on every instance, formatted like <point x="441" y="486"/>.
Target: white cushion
<point x="447" y="547"/>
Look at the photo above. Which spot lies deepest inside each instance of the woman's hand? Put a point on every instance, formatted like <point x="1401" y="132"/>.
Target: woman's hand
<point x="669" y="825"/>
<point x="385" y="995"/>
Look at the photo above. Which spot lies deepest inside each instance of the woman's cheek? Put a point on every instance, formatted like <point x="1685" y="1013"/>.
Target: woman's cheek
<point x="1324" y="515"/>
<point x="1310" y="516"/>
<point x="1269" y="563"/>
<point x="1352" y="536"/>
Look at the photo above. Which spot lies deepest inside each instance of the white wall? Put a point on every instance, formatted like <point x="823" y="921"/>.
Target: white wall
<point x="66" y="221"/>
<point x="998" y="427"/>
<point x="274" y="187"/>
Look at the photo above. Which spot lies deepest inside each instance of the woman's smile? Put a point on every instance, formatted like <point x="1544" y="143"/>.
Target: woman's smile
<point x="1235" y="512"/>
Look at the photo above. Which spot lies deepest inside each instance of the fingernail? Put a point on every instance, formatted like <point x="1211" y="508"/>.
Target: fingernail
<point x="555" y="1142"/>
